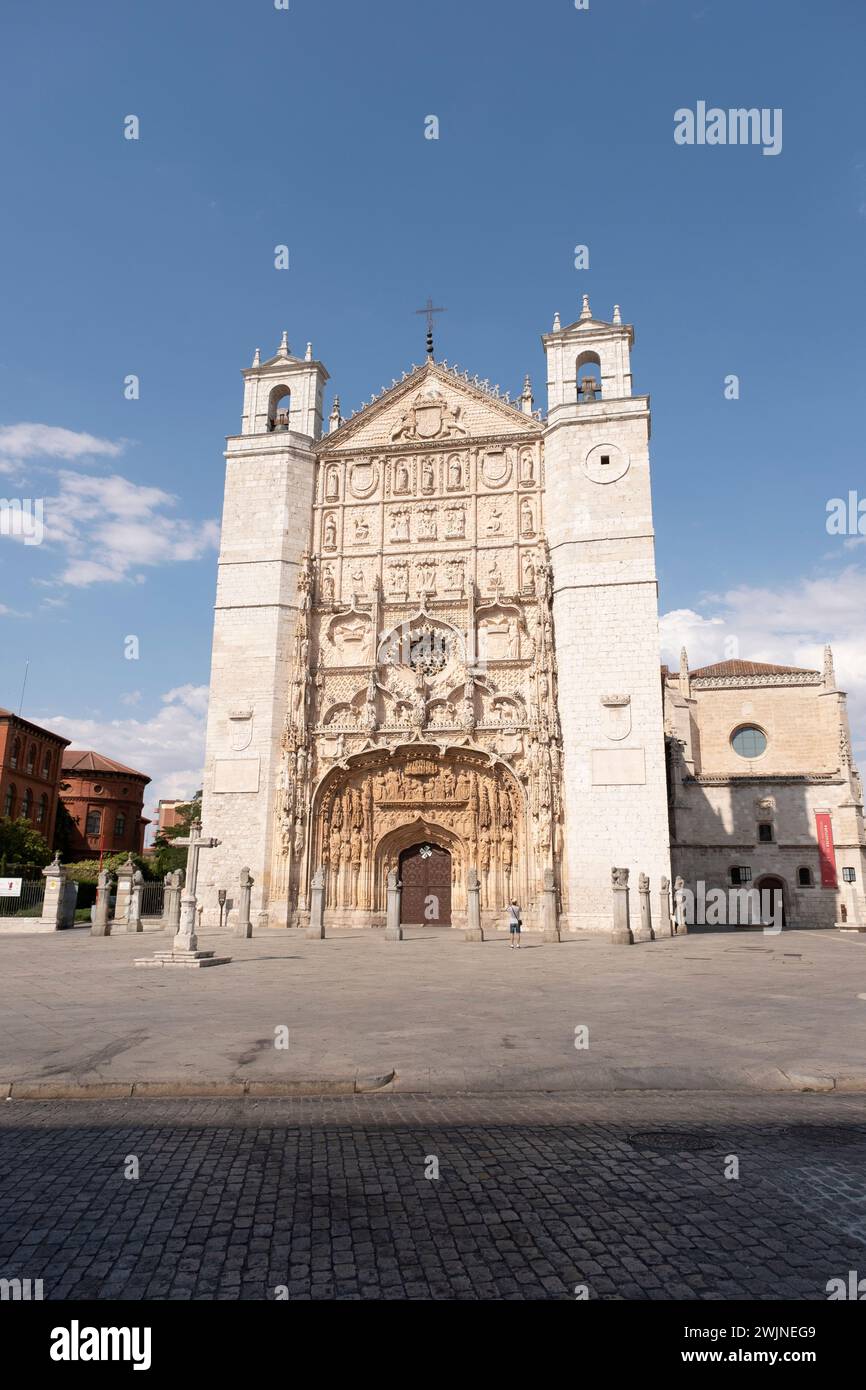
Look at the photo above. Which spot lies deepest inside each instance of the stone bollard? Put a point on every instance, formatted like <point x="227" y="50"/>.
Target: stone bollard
<point x="473" y="930"/>
<point x="55" y="892"/>
<point x="621" y="934"/>
<point x="393" y="930"/>
<point x="549" y="913"/>
<point x="101" y="925"/>
<point x="316" y="930"/>
<point x="680" y="925"/>
<point x="133" y="912"/>
<point x="666" y="921"/>
<point x="644" y="931"/>
<point x="245" y="927"/>
<point x="124" y="893"/>
<point x="170" y="902"/>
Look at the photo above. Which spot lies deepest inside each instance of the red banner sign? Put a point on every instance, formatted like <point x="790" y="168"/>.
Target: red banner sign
<point x="826" y="850"/>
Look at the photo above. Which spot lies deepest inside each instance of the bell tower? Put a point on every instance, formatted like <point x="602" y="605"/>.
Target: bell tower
<point x="596" y="450"/>
<point x="267" y="517"/>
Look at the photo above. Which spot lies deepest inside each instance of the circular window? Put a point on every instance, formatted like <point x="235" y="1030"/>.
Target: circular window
<point x="749" y="741"/>
<point x="98" y="787"/>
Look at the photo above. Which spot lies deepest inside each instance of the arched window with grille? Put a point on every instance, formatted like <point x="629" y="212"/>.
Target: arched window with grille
<point x="16" y="753"/>
<point x="31" y="757"/>
<point x="42" y="810"/>
<point x="27" y="804"/>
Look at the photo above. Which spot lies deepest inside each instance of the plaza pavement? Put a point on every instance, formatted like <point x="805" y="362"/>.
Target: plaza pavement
<point x="434" y="1014"/>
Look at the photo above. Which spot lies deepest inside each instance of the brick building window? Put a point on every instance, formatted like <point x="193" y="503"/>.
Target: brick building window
<point x="42" y="810"/>
<point x="31" y="757"/>
<point x="27" y="804"/>
<point x="120" y="824"/>
<point x="16" y="753"/>
<point x="804" y="877"/>
<point x="46" y="766"/>
<point x="9" y="804"/>
<point x="94" y="822"/>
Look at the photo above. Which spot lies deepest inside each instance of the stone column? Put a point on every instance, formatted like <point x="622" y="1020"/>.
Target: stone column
<point x="185" y="939"/>
<point x="169" y="893"/>
<point x="473" y="930"/>
<point x="245" y="927"/>
<point x="316" y="930"/>
<point x="549" y="913"/>
<point x="621" y="934"/>
<point x="666" y="921"/>
<point x="680" y="924"/>
<point x="124" y="892"/>
<point x="644" y="932"/>
<point x="101" y="925"/>
<point x="52" y="903"/>
<point x="133" y="914"/>
<point x="393" y="930"/>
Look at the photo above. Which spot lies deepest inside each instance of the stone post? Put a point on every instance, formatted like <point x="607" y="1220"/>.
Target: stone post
<point x="393" y="930"/>
<point x="549" y="913"/>
<point x="621" y="934"/>
<point x="55" y="888"/>
<point x="644" y="931"/>
<point x="185" y="939"/>
<point x="133" y="913"/>
<point x="680" y="925"/>
<point x="245" y="927"/>
<point x="170" y="894"/>
<point x="101" y="925"/>
<point x="124" y="892"/>
<point x="473" y="930"/>
<point x="316" y="930"/>
<point x="666" y="921"/>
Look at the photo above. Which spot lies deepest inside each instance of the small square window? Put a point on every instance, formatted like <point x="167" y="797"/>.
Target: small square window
<point x="849" y="875"/>
<point x="605" y="459"/>
<point x="741" y="874"/>
<point x="765" y="833"/>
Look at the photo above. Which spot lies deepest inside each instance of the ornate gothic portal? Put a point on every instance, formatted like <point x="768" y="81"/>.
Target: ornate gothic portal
<point x="422" y="706"/>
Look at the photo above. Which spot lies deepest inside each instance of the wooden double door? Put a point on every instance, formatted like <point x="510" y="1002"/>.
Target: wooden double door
<point x="425" y="871"/>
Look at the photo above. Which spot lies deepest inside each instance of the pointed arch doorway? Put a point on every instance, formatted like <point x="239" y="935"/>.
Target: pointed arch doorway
<point x="425" y="872"/>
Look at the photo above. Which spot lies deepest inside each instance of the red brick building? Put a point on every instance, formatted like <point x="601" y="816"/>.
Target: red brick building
<point x="30" y="770"/>
<point x="104" y="801"/>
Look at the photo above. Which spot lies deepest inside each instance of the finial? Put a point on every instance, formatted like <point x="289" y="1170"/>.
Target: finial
<point x="308" y="355"/>
<point x="617" y="316"/>
<point x="586" y="312"/>
<point x="829" y="669"/>
<point x="685" y="683"/>
<point x="335" y="419"/>
<point x="283" y="350"/>
<point x="526" y="396"/>
<point x="257" y="360"/>
<point x="557" y="326"/>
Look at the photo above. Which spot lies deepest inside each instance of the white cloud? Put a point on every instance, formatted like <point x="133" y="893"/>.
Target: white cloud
<point x="26" y="441"/>
<point x="168" y="746"/>
<point x="788" y="625"/>
<point x="110" y="527"/>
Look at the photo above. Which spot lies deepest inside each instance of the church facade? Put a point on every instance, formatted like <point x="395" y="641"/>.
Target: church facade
<point x="436" y="645"/>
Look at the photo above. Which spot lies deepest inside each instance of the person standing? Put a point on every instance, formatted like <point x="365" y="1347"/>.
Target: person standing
<point x="514" y="923"/>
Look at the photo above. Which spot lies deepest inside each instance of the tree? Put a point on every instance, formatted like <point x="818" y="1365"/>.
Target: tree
<point x="166" y="856"/>
<point x="21" y="844"/>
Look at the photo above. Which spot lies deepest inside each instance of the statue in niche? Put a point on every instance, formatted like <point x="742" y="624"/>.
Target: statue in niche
<point x="362" y="529"/>
<point x="513" y="638"/>
<point x="399" y="575"/>
<point x="427" y="524"/>
<point x="454" y="575"/>
<point x="527" y="467"/>
<point x="527" y="525"/>
<point x="455" y="522"/>
<point x="327" y="585"/>
<point x="494" y="524"/>
<point x="401" y="476"/>
<point x="455" y="472"/>
<point x="399" y="526"/>
<point x="528" y="573"/>
<point x="427" y="477"/>
<point x="332" y="486"/>
<point x="330" y="533"/>
<point x="426" y="576"/>
<point x="494" y="575"/>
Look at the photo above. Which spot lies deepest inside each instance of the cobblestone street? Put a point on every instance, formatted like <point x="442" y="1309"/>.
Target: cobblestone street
<point x="535" y="1195"/>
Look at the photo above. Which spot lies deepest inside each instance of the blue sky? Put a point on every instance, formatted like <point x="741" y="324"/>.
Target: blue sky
<point x="306" y="127"/>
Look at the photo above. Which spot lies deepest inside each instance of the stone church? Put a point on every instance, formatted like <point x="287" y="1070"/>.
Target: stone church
<point x="436" y="652"/>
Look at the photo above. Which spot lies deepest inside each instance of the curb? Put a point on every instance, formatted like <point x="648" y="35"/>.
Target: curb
<point x="192" y="1090"/>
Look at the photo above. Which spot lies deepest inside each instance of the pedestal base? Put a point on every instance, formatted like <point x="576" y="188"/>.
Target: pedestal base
<point x="393" y="933"/>
<point x="622" y="938"/>
<point x="551" y="934"/>
<point x="191" y="960"/>
<point x="315" y="933"/>
<point x="473" y="934"/>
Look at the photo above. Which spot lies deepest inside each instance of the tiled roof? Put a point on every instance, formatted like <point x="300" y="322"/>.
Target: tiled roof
<point x="86" y="760"/>
<point x="749" y="668"/>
